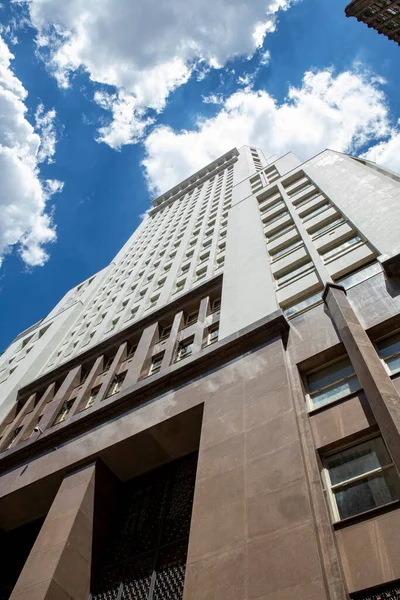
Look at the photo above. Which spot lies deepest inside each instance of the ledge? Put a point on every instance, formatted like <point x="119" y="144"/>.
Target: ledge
<point x="145" y="390"/>
<point x="391" y="263"/>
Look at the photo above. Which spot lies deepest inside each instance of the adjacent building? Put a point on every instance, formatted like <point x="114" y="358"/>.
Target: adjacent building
<point x="382" y="15"/>
<point x="216" y="414"/>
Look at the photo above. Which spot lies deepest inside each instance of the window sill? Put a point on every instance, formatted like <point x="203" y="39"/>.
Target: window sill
<point x="368" y="514"/>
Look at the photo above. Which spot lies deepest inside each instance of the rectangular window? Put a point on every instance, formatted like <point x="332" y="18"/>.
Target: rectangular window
<point x="184" y="349"/>
<point x="389" y="351"/>
<point x="287" y="250"/>
<point x="116" y="385"/>
<point x="341" y="248"/>
<point x="63" y="412"/>
<point x="156" y="363"/>
<point x="333" y="224"/>
<point x="107" y="363"/>
<point x="361" y="478"/>
<point x="216" y="305"/>
<point x="131" y="350"/>
<point x="165" y="332"/>
<point x="192" y="318"/>
<point x="92" y="398"/>
<point x="213" y="334"/>
<point x="298" y="272"/>
<point x="331" y="383"/>
<point x="315" y="212"/>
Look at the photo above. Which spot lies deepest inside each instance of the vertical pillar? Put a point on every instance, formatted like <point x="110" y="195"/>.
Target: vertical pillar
<point x="51" y="411"/>
<point x="381" y="394"/>
<point x="148" y="338"/>
<point x="198" y="336"/>
<point x="171" y="342"/>
<point x="59" y="564"/>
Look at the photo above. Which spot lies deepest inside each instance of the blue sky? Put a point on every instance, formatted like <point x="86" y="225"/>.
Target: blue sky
<point x="105" y="103"/>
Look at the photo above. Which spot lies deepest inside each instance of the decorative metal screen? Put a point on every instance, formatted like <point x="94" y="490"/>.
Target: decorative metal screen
<point x="145" y="556"/>
<point x="384" y="592"/>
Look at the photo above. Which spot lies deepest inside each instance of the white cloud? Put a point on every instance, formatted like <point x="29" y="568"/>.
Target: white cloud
<point x="44" y="125"/>
<point x="146" y="49"/>
<point x="387" y="153"/>
<point x="342" y="112"/>
<point x="24" y="223"/>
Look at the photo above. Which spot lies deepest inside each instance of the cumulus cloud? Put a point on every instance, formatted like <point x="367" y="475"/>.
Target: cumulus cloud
<point x="24" y="222"/>
<point x="387" y="152"/>
<point x="147" y="49"/>
<point x="44" y="125"/>
<point x="342" y="111"/>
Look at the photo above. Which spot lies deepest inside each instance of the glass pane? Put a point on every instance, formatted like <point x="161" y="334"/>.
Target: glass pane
<point x="389" y="346"/>
<point x="335" y="392"/>
<point x="357" y="460"/>
<point x="368" y="493"/>
<point x="394" y="364"/>
<point x="339" y="370"/>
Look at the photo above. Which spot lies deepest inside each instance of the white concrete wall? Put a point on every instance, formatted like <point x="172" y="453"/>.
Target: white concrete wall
<point x="369" y="199"/>
<point x="248" y="290"/>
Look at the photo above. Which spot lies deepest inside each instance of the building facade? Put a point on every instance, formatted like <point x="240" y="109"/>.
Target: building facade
<point x="382" y="15"/>
<point x="216" y="414"/>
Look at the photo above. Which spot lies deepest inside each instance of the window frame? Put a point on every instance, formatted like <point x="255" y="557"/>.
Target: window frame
<point x="309" y="395"/>
<point x="331" y="487"/>
<point x="188" y="343"/>
<point x="383" y="360"/>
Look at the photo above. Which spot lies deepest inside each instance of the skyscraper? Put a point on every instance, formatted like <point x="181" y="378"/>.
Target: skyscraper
<point x="215" y="415"/>
<point x="382" y="15"/>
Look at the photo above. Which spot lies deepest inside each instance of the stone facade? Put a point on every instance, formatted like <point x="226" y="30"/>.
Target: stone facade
<point x="271" y="401"/>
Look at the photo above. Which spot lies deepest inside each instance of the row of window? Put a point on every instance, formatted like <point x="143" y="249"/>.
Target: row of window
<point x="184" y="350"/>
<point x="338" y="379"/>
<point x="163" y="230"/>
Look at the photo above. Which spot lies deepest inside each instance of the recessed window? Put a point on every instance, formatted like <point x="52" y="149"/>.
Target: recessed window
<point x="341" y="248"/>
<point x="216" y="305"/>
<point x="116" y="385"/>
<point x="389" y="351"/>
<point x="179" y="286"/>
<point x="213" y="334"/>
<point x="92" y="398"/>
<point x="165" y="332"/>
<point x="13" y="437"/>
<point x="192" y="318"/>
<point x="131" y="350"/>
<point x="107" y="363"/>
<point x="184" y="349"/>
<point x="156" y="363"/>
<point x="331" y="383"/>
<point x="63" y="412"/>
<point x="361" y="478"/>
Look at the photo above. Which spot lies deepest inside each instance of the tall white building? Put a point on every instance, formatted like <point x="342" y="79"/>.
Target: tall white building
<point x="277" y="229"/>
<point x="216" y="414"/>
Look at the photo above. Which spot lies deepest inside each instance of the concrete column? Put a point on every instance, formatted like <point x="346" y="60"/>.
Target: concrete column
<point x="51" y="411"/>
<point x="381" y="394"/>
<point x="171" y="342"/>
<point x="199" y="335"/>
<point x="148" y="338"/>
<point x="86" y="388"/>
<point x="248" y="292"/>
<point x="118" y="358"/>
<point x="59" y="564"/>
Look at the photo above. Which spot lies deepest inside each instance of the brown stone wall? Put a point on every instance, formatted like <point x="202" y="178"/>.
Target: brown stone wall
<point x="261" y="527"/>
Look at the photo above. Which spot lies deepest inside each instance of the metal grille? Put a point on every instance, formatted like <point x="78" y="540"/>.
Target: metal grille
<point x="385" y="592"/>
<point x="145" y="557"/>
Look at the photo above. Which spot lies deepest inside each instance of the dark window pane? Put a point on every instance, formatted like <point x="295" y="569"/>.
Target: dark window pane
<point x="368" y="493"/>
<point x="357" y="460"/>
